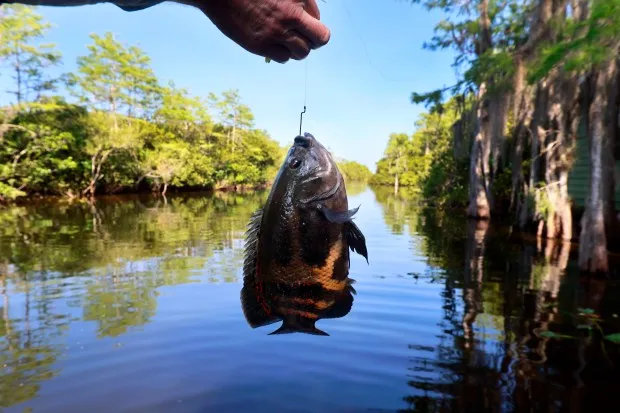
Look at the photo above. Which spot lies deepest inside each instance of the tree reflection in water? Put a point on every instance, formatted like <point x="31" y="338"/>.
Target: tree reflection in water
<point x="526" y="336"/>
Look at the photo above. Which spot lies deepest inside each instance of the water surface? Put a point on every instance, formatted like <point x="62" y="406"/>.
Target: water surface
<point x="132" y="305"/>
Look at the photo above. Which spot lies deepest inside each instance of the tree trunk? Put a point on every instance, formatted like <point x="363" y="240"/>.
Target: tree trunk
<point x="537" y="133"/>
<point x="18" y="75"/>
<point x="498" y="114"/>
<point x="609" y="162"/>
<point x="478" y="168"/>
<point x="522" y="110"/>
<point x="479" y="206"/>
<point x="92" y="186"/>
<point x="395" y="184"/>
<point x="593" y="241"/>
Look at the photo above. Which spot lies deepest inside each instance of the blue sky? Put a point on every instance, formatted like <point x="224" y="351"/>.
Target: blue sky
<point x="358" y="85"/>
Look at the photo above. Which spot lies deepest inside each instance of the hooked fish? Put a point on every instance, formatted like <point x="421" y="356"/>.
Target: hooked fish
<point x="297" y="259"/>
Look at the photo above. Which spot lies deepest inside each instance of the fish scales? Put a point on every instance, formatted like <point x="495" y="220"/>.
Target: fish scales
<point x="297" y="255"/>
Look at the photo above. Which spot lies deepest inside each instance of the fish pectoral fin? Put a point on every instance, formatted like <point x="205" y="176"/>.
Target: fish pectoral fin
<point x="337" y="217"/>
<point x="287" y="328"/>
<point x="355" y="239"/>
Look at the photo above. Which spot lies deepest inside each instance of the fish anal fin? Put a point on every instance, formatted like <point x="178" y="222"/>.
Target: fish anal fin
<point x="256" y="313"/>
<point x="355" y="239"/>
<point x="337" y="217"/>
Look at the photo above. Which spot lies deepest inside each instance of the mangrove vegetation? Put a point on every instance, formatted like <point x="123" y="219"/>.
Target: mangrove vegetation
<point x="537" y="93"/>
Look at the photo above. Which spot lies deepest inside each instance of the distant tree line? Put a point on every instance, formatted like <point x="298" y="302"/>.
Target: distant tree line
<point x="119" y="129"/>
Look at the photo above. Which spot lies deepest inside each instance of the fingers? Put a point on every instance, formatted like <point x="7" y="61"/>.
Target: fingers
<point x="298" y="45"/>
<point x="317" y="33"/>
<point x="277" y="29"/>
<point x="278" y="53"/>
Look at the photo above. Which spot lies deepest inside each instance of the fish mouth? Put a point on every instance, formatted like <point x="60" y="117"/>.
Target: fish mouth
<point x="303" y="141"/>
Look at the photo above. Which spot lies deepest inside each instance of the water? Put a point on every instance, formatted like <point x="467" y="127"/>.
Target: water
<point x="132" y="305"/>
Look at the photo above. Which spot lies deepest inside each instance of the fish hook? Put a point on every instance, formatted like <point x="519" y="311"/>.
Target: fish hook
<point x="301" y="118"/>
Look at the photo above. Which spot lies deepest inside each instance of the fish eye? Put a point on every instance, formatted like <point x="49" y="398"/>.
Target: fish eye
<point x="294" y="164"/>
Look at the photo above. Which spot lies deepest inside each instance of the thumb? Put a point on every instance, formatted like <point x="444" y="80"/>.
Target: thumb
<point x="314" y="30"/>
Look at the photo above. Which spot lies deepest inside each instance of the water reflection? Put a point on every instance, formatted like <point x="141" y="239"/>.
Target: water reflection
<point x="29" y="331"/>
<point x="452" y="315"/>
<point x="529" y="334"/>
<point x="102" y="263"/>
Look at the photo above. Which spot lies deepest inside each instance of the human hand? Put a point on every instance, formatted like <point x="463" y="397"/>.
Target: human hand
<point x="276" y="29"/>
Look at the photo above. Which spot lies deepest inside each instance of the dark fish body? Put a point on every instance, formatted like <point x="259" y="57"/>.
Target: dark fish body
<point x="297" y="248"/>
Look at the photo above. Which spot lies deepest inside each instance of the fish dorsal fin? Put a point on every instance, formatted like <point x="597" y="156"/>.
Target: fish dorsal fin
<point x="355" y="239"/>
<point x="251" y="244"/>
<point x="252" y="302"/>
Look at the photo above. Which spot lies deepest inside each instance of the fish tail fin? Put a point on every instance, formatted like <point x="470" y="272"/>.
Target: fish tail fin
<point x="288" y="328"/>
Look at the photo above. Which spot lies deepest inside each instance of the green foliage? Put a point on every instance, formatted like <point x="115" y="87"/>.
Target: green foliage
<point x="483" y="55"/>
<point x="424" y="162"/>
<point x="45" y="150"/>
<point x="583" y="44"/>
<point x="493" y="64"/>
<point x="126" y="130"/>
<point x="20" y="26"/>
<point x="353" y="171"/>
<point x="114" y="77"/>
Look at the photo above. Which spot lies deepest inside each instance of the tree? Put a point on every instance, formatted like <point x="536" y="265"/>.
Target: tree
<point x="233" y="114"/>
<point x="395" y="154"/>
<point x="20" y="26"/>
<point x="555" y="62"/>
<point x="107" y="136"/>
<point x="44" y="150"/>
<point x="587" y="44"/>
<point x="113" y="77"/>
<point x="166" y="163"/>
<point x="125" y="130"/>
<point x="353" y="171"/>
<point x="183" y="113"/>
<point x="483" y="34"/>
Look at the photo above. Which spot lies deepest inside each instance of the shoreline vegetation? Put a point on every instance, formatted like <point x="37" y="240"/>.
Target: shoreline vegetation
<point x="538" y="91"/>
<point x="112" y="127"/>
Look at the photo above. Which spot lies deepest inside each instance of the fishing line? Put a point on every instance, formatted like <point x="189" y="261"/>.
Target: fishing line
<point x="301" y="115"/>
<point x="359" y="36"/>
<point x="368" y="58"/>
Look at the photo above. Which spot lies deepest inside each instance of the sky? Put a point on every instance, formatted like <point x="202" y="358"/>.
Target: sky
<point x="357" y="88"/>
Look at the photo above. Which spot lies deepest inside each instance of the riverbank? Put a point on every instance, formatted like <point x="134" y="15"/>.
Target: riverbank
<point x="502" y="220"/>
<point x="353" y="187"/>
<point x="127" y="193"/>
